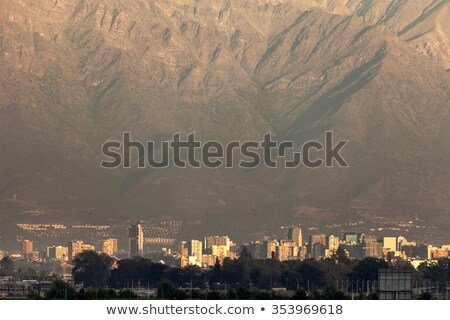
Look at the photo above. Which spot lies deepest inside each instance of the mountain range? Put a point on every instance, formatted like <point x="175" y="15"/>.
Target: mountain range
<point x="78" y="73"/>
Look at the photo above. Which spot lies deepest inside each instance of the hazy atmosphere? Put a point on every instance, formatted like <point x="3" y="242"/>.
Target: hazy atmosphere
<point x="75" y="74"/>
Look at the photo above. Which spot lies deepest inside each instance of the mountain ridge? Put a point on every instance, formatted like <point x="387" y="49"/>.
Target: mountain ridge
<point x="77" y="74"/>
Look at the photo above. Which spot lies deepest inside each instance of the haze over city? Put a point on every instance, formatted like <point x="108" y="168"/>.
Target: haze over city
<point x="355" y="93"/>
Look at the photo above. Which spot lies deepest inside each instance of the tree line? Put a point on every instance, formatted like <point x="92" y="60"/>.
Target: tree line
<point x="103" y="277"/>
<point x="96" y="270"/>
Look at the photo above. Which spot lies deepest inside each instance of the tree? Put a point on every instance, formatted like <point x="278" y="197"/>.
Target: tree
<point x="7" y="266"/>
<point x="97" y="294"/>
<point x="92" y="269"/>
<point x="245" y="254"/>
<point x="131" y="272"/>
<point x="438" y="273"/>
<point x="310" y="271"/>
<point x="127" y="294"/>
<point x="166" y="290"/>
<point x="367" y="269"/>
<point x="426" y="296"/>
<point x="300" y="294"/>
<point x="341" y="256"/>
<point x="216" y="272"/>
<point x="60" y="290"/>
<point x="330" y="293"/>
<point x="291" y="279"/>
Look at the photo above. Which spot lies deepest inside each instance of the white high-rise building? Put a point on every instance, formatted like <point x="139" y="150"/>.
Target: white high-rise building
<point x="295" y="234"/>
<point x="196" y="253"/>
<point x="136" y="240"/>
<point x="333" y="243"/>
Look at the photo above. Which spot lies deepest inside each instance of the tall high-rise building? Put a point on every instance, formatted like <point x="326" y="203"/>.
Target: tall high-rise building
<point x="318" y="238"/>
<point x="295" y="234"/>
<point x="390" y="243"/>
<point x="184" y="249"/>
<point x="216" y="241"/>
<point x="302" y="252"/>
<point x="221" y="251"/>
<point x="270" y="249"/>
<point x="264" y="249"/>
<point x="75" y="247"/>
<point x="354" y="250"/>
<point x="196" y="249"/>
<point x="373" y="249"/>
<point x="351" y="237"/>
<point x="110" y="247"/>
<point x="316" y="251"/>
<point x="287" y="250"/>
<point x="184" y="252"/>
<point x="87" y="247"/>
<point x="332" y="243"/>
<point x="57" y="253"/>
<point x="136" y="240"/>
<point x="27" y="247"/>
<point x="255" y="249"/>
<point x="195" y="253"/>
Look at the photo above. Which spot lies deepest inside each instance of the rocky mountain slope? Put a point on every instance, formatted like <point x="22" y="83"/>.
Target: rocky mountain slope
<point x="78" y="73"/>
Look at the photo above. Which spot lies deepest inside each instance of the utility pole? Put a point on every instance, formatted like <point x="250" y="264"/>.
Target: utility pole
<point x="446" y="291"/>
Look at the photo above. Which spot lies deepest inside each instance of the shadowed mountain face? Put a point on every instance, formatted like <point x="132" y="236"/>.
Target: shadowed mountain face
<point x="78" y="73"/>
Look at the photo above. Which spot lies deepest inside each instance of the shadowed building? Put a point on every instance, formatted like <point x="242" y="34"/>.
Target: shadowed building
<point x="75" y="247"/>
<point x="316" y="245"/>
<point x="136" y="240"/>
<point x="27" y="248"/>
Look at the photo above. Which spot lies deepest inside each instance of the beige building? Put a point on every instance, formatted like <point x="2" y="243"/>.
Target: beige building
<point x="110" y="247"/>
<point x="220" y="251"/>
<point x="333" y="243"/>
<point x="75" y="247"/>
<point x="58" y="253"/>
<point x="27" y="248"/>
<point x="390" y="244"/>
<point x="196" y="249"/>
<point x="211" y="241"/>
<point x="287" y="250"/>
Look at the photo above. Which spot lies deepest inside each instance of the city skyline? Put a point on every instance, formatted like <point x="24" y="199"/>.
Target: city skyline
<point x="295" y="71"/>
<point x="251" y="149"/>
<point x="355" y="245"/>
<point x="395" y="257"/>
